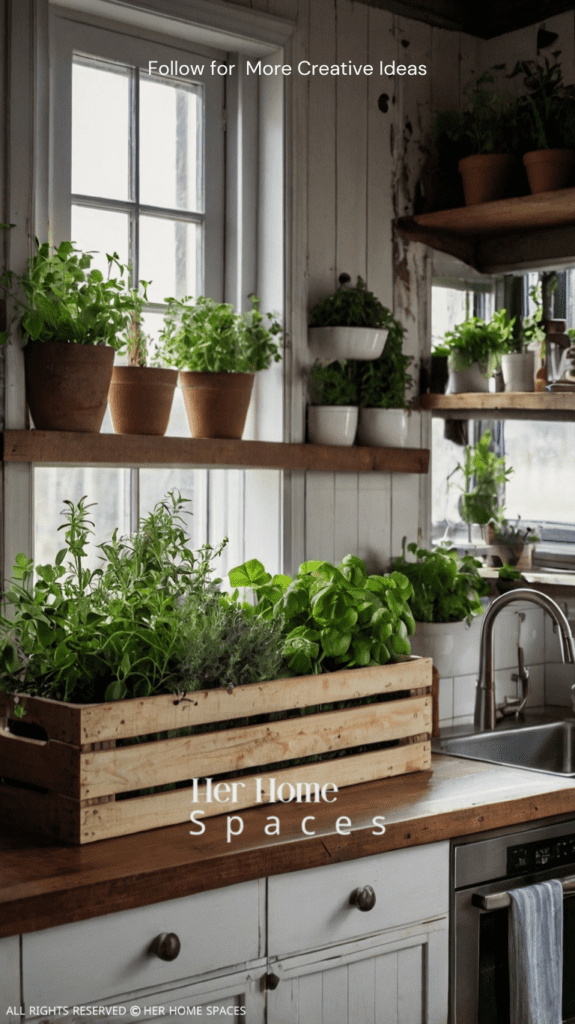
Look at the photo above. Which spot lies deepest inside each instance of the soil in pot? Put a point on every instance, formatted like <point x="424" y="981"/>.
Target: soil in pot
<point x="332" y="424"/>
<point x="67" y="385"/>
<point x="141" y="399"/>
<point x="486" y="176"/>
<point x="216" y="403"/>
<point x="549" y="169"/>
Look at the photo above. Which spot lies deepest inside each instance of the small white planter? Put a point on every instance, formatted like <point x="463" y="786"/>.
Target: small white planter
<point x="471" y="380"/>
<point x="332" y="424"/>
<point x="518" y="370"/>
<point x="453" y="646"/>
<point x="330" y="343"/>
<point x="383" y="428"/>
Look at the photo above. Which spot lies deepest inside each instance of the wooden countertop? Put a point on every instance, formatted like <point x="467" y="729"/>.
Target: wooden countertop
<point x="43" y="884"/>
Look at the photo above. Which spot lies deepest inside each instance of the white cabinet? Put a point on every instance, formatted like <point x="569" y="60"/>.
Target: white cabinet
<point x="9" y="978"/>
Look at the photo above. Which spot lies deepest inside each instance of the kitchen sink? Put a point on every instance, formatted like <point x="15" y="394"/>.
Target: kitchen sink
<point x="546" y="748"/>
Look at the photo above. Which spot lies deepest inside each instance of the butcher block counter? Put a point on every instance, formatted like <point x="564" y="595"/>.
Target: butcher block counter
<point x="43" y="884"/>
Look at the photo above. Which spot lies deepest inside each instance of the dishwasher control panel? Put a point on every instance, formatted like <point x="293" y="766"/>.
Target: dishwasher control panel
<point x="526" y="858"/>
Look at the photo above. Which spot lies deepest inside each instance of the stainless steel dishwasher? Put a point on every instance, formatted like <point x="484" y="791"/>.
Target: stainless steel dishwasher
<point x="484" y="867"/>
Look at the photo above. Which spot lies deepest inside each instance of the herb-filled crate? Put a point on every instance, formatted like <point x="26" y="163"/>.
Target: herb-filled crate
<point x="95" y="771"/>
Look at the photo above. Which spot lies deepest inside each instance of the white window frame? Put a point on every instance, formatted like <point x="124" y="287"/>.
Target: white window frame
<point x="207" y="22"/>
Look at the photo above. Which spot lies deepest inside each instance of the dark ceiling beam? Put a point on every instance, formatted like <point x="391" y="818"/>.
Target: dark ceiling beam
<point x="491" y="18"/>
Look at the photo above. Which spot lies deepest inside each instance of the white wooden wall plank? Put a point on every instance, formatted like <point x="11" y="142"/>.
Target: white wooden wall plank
<point x="346" y="515"/>
<point x="386" y="988"/>
<point x="263" y="526"/>
<point x="410" y="986"/>
<point x="374" y="520"/>
<point x="379" y="268"/>
<point x="334" y="1007"/>
<point x="319" y="515"/>
<point x="310" y="998"/>
<point x="322" y="268"/>
<point x="361" y="992"/>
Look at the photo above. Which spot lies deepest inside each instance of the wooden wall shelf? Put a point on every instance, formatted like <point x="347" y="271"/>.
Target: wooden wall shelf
<point x="526" y="231"/>
<point x="502" y="406"/>
<point x="72" y="449"/>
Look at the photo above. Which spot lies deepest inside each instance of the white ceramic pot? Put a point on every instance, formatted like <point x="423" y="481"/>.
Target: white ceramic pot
<point x="382" y="428"/>
<point x="471" y="380"/>
<point x="332" y="424"/>
<point x="453" y="646"/>
<point x="518" y="370"/>
<point x="330" y="343"/>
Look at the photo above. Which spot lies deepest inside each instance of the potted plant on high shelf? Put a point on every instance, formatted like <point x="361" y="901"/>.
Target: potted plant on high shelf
<point x="475" y="348"/>
<point x="141" y="393"/>
<point x="70" y="320"/>
<point x="383" y="382"/>
<point x="484" y="135"/>
<point x="332" y="413"/>
<point x="547" y="124"/>
<point x="351" y="324"/>
<point x="218" y="352"/>
<point x="518" y="360"/>
<point x="446" y="606"/>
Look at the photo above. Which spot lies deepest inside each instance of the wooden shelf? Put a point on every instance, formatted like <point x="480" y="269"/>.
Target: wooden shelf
<point x="72" y="449"/>
<point x="526" y="231"/>
<point x="502" y="406"/>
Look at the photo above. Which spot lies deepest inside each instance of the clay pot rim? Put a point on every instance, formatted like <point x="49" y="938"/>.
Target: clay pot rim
<point x="468" y="161"/>
<point x="146" y="373"/>
<point x="532" y="155"/>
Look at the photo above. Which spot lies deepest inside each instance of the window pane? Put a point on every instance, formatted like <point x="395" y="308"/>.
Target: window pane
<point x="101" y="232"/>
<point x="542" y="486"/>
<point x="178" y="424"/>
<point x="169" y="257"/>
<point x="170" y="144"/>
<point x="100" y="129"/>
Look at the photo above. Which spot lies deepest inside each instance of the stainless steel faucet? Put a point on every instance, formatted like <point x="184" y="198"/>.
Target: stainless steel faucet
<point x="485" y="699"/>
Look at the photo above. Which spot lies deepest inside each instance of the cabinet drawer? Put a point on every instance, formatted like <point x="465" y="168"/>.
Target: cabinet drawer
<point x="309" y="909"/>
<point x="89" y="960"/>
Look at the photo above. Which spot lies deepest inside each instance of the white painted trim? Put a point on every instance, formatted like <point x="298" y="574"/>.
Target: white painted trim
<point x="225" y="26"/>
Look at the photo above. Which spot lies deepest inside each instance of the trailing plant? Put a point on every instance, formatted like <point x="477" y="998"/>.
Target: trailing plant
<point x="488" y="124"/>
<point x="484" y="474"/>
<point x="209" y="336"/>
<point x="383" y="382"/>
<point x="350" y="307"/>
<point x="446" y="588"/>
<point x="60" y="298"/>
<point x="475" y="341"/>
<point x="334" y="384"/>
<point x="333" y="617"/>
<point x="547" y="107"/>
<point x="85" y="635"/>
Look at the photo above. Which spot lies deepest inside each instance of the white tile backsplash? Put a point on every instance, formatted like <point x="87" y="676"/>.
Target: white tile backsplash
<point x="464" y="695"/>
<point x="445" y="701"/>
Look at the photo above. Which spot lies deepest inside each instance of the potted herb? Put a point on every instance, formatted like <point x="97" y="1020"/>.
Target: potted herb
<point x="484" y="473"/>
<point x="547" y="124"/>
<point x="218" y="352"/>
<point x="446" y="606"/>
<point x="70" y="320"/>
<point x="483" y="134"/>
<point x="140" y="394"/>
<point x="510" y="543"/>
<point x="518" y="361"/>
<point x="382" y="386"/>
<point x="351" y="324"/>
<point x="475" y="348"/>
<point x="332" y="412"/>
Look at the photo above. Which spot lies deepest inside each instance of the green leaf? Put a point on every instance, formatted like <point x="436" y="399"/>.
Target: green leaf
<point x="250" y="574"/>
<point x="116" y="691"/>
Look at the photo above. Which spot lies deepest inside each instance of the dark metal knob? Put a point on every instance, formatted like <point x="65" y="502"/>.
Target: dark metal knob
<point x="272" y="981"/>
<point x="166" y="946"/>
<point x="363" y="898"/>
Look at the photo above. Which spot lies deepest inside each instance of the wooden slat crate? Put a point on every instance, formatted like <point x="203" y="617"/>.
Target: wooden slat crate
<point x="72" y="785"/>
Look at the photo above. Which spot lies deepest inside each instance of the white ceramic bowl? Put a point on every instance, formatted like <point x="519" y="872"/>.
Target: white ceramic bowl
<point x="383" y="428"/>
<point x="330" y="343"/>
<point x="332" y="424"/>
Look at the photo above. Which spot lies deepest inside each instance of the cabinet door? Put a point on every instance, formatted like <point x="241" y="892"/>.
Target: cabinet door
<point x="395" y="978"/>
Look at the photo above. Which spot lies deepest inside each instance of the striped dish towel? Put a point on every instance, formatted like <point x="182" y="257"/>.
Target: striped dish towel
<point x="536" y="953"/>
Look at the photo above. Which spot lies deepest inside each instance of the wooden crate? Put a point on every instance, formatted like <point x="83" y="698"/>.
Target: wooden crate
<point x="70" y="786"/>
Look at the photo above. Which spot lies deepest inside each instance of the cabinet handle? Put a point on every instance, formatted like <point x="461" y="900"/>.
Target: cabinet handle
<point x="166" y="946"/>
<point x="272" y="981"/>
<point x="363" y="898"/>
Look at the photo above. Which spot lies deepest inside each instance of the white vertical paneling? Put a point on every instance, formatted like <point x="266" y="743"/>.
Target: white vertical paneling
<point x="263" y="520"/>
<point x="320" y="516"/>
<point x="379" y="198"/>
<point x="310" y="998"/>
<point x="386" y="988"/>
<point x="361" y="994"/>
<point x="410" y="986"/>
<point x="345" y="539"/>
<point x="322" y="267"/>
<point x="374" y="520"/>
<point x="335" y="997"/>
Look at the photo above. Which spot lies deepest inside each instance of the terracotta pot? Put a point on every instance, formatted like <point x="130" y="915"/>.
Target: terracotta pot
<point x="141" y="399"/>
<point x="549" y="169"/>
<point x="67" y="385"/>
<point x="216" y="403"/>
<point x="486" y="176"/>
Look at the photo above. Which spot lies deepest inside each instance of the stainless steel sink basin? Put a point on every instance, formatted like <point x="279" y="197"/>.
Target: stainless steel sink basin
<point x="546" y="748"/>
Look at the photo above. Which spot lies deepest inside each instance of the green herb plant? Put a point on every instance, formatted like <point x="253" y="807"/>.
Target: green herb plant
<point x="383" y="382"/>
<point x="209" y="336"/>
<point x="334" y="384"/>
<point x="60" y="298"/>
<point x="445" y="587"/>
<point x="546" y="110"/>
<point x="475" y="341"/>
<point x="506" y="532"/>
<point x="350" y="307"/>
<point x="488" y="123"/>
<point x="507" y="572"/>
<point x="333" y="617"/>
<point x="484" y="474"/>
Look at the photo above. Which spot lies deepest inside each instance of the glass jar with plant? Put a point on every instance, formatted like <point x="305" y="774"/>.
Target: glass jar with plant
<point x="484" y="134"/>
<point x="475" y="348"/>
<point x="218" y="352"/>
<point x="485" y="473"/>
<point x="350" y="324"/>
<point x="547" y="123"/>
<point x="70" y="319"/>
<point x="383" y="384"/>
<point x="333" y="394"/>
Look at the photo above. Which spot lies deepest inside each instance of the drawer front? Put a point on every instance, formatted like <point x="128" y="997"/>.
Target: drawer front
<point x="311" y="909"/>
<point x="90" y="960"/>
